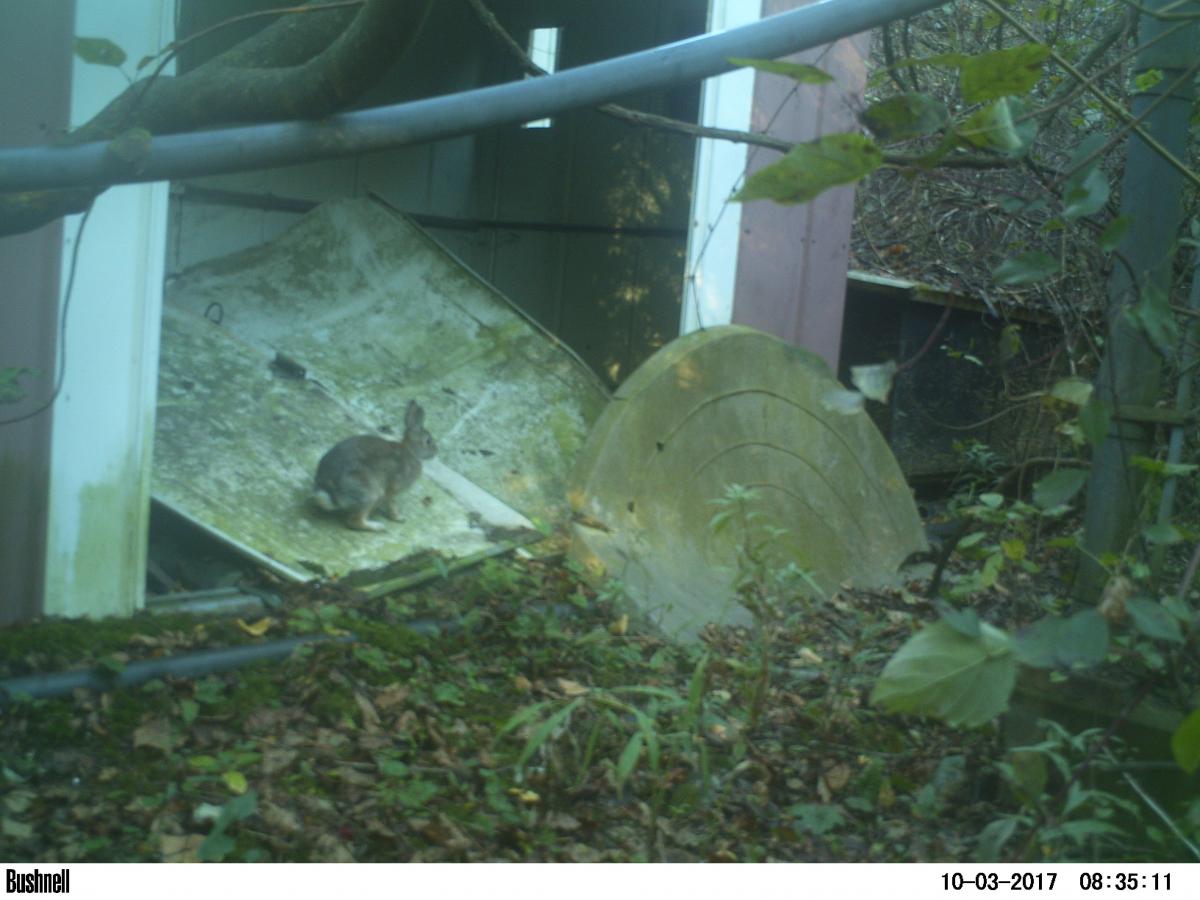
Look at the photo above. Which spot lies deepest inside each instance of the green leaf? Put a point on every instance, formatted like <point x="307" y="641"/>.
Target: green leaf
<point x="1153" y="315"/>
<point x="942" y="673"/>
<point x="132" y="146"/>
<point x="1025" y="268"/>
<point x="816" y="818"/>
<point x="1028" y="774"/>
<point x="993" y="838"/>
<point x="695" y="698"/>
<point x="810" y="169"/>
<point x="215" y="847"/>
<point x="1113" y="232"/>
<point x="1085" y="193"/>
<point x="1185" y="743"/>
<point x="99" y="51"/>
<point x="844" y="403"/>
<point x="189" y="709"/>
<point x="1152" y="619"/>
<point x="10" y="383"/>
<point x="1058" y="487"/>
<point x="629" y="758"/>
<point x="545" y="730"/>
<point x="949" y="60"/>
<point x="1162" y="533"/>
<point x="1163" y="469"/>
<point x="995" y="127"/>
<point x="1094" y="420"/>
<point x="1014" y="549"/>
<point x="905" y="116"/>
<point x="522" y="716"/>
<point x="1144" y="81"/>
<point x="874" y="381"/>
<point x="1001" y="73"/>
<point x="235" y="781"/>
<point x="1075" y="391"/>
<point x="964" y="621"/>
<point x="800" y="72"/>
<point x="1053" y="642"/>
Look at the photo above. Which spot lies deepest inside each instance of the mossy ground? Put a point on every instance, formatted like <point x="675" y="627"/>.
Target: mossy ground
<point x="410" y="743"/>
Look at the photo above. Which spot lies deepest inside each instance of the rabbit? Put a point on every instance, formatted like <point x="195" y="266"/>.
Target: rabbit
<point x="364" y="471"/>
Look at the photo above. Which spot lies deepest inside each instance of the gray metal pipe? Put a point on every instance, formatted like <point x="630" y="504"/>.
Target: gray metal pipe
<point x="185" y="665"/>
<point x="286" y="143"/>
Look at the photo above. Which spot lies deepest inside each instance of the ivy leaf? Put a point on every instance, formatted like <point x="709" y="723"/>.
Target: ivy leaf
<point x="1079" y="640"/>
<point x="1086" y="190"/>
<point x="943" y="673"/>
<point x="1085" y="193"/>
<point x="99" y="52"/>
<point x="905" y="116"/>
<point x="1144" y="81"/>
<point x="132" y="146"/>
<point x="1001" y="73"/>
<point x="1162" y="533"/>
<point x="1162" y="468"/>
<point x="1025" y="268"/>
<point x="1094" y="419"/>
<point x="1154" y="317"/>
<point x="1152" y="619"/>
<point x="816" y="818"/>
<point x="810" y="169"/>
<point x="1075" y="391"/>
<point x="993" y="838"/>
<point x="800" y="72"/>
<point x="1058" y="487"/>
<point x="964" y="621"/>
<point x="995" y="127"/>
<point x="1185" y="743"/>
<point x="1113" y="232"/>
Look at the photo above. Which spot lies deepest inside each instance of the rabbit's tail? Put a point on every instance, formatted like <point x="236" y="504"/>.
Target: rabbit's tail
<point x="324" y="500"/>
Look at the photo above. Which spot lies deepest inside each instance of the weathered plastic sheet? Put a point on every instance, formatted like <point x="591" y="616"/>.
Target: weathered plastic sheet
<point x="272" y="355"/>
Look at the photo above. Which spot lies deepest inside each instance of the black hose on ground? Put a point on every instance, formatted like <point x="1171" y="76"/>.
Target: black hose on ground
<point x="185" y="665"/>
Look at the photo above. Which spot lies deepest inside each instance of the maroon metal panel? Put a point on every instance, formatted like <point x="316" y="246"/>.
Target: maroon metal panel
<point x="791" y="275"/>
<point x="35" y="53"/>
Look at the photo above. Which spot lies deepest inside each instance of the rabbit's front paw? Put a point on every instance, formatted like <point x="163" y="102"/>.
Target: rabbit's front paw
<point x="360" y="522"/>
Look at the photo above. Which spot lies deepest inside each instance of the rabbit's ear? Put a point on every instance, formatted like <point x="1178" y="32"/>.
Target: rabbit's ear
<point x="414" y="416"/>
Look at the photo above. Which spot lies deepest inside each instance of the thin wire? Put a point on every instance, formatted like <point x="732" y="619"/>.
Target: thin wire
<point x="61" y="362"/>
<point x="690" y="275"/>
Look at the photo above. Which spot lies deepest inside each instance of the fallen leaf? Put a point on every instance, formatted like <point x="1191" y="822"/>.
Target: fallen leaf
<point x="156" y="733"/>
<point x="18" y="830"/>
<point x="278" y="819"/>
<point x="276" y="759"/>
<point x="18" y="801"/>
<point x="257" y="629"/>
<point x="180" y="848"/>
<point x="330" y="849"/>
<point x="391" y="696"/>
<point x="370" y="716"/>
<point x="836" y="777"/>
<point x="570" y="688"/>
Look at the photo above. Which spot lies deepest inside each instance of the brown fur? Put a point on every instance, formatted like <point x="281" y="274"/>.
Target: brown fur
<point x="365" y="472"/>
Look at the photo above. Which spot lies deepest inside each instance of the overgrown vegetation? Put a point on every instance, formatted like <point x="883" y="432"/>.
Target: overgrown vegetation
<point x="540" y="720"/>
<point x="545" y="725"/>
